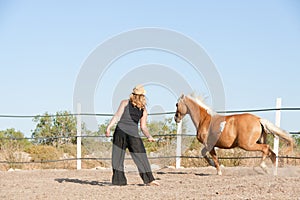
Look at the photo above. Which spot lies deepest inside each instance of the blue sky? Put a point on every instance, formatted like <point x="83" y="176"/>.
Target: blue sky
<point x="255" y="46"/>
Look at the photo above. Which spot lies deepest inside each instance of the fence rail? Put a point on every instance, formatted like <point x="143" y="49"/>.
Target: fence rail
<point x="160" y="113"/>
<point x="99" y="136"/>
<point x="151" y="158"/>
<point x="157" y="136"/>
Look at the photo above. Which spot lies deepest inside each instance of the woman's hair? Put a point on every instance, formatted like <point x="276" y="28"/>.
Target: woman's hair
<point x="138" y="100"/>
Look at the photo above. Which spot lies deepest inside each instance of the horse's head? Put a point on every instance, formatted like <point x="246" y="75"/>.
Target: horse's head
<point x="181" y="109"/>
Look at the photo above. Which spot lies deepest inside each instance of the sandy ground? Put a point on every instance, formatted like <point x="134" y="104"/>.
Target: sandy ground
<point x="192" y="183"/>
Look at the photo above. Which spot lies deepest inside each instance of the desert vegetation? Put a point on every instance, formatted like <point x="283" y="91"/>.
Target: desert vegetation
<point x="52" y="145"/>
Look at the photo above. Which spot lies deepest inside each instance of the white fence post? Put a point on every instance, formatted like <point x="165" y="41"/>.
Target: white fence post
<point x="178" y="145"/>
<point x="78" y="136"/>
<point x="276" y="138"/>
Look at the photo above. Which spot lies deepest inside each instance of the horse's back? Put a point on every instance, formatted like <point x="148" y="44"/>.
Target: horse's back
<point x="243" y="116"/>
<point x="238" y="128"/>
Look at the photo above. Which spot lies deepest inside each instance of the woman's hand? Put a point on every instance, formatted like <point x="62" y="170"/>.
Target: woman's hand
<point x="151" y="139"/>
<point x="107" y="132"/>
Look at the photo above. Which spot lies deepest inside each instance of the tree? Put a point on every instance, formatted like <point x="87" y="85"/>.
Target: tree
<point x="43" y="131"/>
<point x="165" y="127"/>
<point x="12" y="137"/>
<point x="65" y="126"/>
<point x="11" y="133"/>
<point x="55" y="129"/>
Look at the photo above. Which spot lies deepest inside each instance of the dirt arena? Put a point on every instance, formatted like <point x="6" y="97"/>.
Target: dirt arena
<point x="192" y="183"/>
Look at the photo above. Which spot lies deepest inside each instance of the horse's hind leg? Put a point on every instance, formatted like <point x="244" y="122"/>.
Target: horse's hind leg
<point x="272" y="156"/>
<point x="267" y="152"/>
<point x="265" y="149"/>
<point x="216" y="161"/>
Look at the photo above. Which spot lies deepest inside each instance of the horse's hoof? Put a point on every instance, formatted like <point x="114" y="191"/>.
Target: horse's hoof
<point x="264" y="168"/>
<point x="219" y="173"/>
<point x="263" y="165"/>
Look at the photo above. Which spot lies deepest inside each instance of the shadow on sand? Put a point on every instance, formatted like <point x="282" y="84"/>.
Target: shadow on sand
<point x="84" y="182"/>
<point x="197" y="174"/>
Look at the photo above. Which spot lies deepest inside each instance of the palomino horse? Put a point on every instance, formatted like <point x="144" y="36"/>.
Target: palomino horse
<point x="246" y="131"/>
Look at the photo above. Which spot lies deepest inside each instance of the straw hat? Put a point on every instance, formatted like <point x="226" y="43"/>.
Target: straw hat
<point x="139" y="89"/>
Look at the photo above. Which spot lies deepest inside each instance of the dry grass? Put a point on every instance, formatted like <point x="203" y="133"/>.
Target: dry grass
<point x="161" y="153"/>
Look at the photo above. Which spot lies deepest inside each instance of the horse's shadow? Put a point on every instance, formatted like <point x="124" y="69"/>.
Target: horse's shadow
<point x="202" y="174"/>
<point x="197" y="174"/>
<point x="83" y="182"/>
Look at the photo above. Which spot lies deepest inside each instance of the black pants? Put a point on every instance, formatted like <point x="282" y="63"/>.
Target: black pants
<point x="135" y="145"/>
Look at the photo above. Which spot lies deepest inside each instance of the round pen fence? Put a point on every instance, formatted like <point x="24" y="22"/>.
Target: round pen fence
<point x="179" y="148"/>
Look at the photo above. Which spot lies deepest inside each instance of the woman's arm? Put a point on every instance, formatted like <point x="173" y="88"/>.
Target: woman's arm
<point x="143" y="125"/>
<point x="116" y="117"/>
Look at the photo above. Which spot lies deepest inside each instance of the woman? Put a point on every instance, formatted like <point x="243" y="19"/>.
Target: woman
<point x="129" y="114"/>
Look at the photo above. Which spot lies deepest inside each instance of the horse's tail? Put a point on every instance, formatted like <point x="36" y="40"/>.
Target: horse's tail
<point x="270" y="128"/>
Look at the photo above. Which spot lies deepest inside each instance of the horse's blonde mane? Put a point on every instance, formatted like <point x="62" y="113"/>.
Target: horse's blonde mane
<point x="200" y="101"/>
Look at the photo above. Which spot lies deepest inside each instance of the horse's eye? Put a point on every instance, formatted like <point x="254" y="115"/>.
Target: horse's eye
<point x="176" y="104"/>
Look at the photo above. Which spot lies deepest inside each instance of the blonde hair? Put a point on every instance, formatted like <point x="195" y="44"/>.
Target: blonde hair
<point x="138" y="100"/>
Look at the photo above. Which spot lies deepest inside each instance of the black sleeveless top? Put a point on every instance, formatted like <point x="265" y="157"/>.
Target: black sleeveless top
<point x="130" y="118"/>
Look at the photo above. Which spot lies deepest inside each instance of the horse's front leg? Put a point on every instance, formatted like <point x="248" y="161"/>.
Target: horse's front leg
<point x="216" y="161"/>
<point x="209" y="161"/>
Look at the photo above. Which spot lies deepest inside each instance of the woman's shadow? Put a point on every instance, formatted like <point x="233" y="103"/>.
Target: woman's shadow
<point x="83" y="182"/>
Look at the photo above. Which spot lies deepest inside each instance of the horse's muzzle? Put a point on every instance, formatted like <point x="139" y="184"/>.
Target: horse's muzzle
<point x="177" y="120"/>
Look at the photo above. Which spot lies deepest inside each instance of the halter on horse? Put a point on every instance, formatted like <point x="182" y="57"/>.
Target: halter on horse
<point x="246" y="131"/>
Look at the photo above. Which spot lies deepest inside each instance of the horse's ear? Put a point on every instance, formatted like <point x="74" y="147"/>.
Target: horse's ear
<point x="181" y="97"/>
